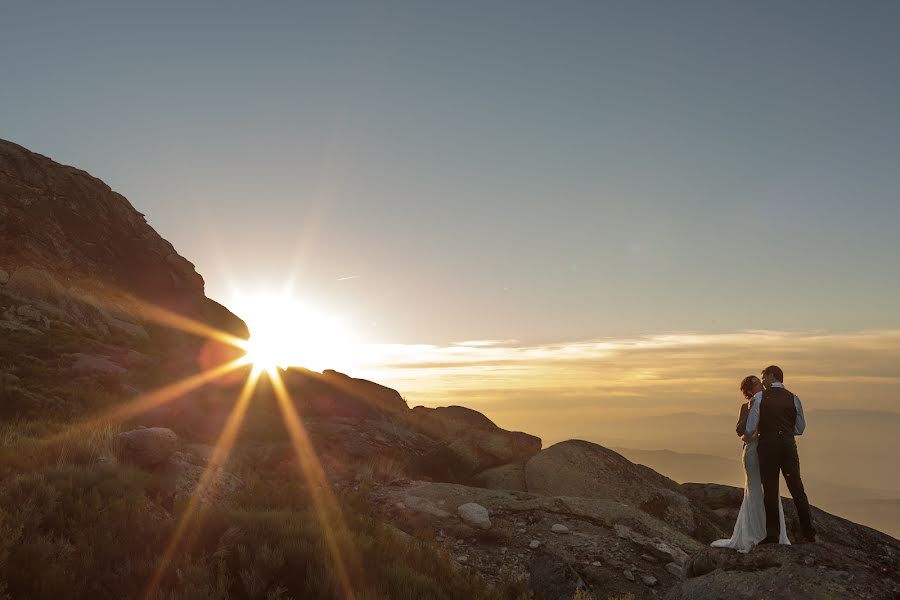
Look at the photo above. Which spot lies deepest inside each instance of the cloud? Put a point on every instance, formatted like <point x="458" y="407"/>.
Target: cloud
<point x="644" y="375"/>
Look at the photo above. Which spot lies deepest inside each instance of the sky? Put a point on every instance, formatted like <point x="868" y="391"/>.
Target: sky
<point x="537" y="177"/>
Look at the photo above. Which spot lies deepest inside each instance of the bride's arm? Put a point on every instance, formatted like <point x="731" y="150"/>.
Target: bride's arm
<point x="741" y="426"/>
<point x="745" y="415"/>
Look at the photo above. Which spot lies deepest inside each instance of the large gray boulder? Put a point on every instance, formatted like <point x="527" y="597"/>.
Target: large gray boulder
<point x="580" y="468"/>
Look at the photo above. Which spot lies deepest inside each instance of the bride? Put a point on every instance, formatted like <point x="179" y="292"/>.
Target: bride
<point x="750" y="527"/>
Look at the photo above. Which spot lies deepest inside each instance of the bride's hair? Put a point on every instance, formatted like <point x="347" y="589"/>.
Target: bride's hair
<point x="747" y="383"/>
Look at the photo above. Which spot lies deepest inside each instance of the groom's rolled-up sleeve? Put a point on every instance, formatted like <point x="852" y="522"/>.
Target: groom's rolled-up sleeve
<point x="753" y="416"/>
<point x="800" y="421"/>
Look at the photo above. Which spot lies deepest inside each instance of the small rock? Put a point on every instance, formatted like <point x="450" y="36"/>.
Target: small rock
<point x="460" y="542"/>
<point x="4" y="277"/>
<point x="559" y="528"/>
<point x="425" y="506"/>
<point x="8" y="378"/>
<point x="649" y="559"/>
<point x="596" y="563"/>
<point x="400" y="505"/>
<point x="534" y="544"/>
<point x="649" y="580"/>
<point x="628" y="575"/>
<point x="475" y="515"/>
<point x="809" y="561"/>
<point x="675" y="570"/>
<point x="462" y="558"/>
<point x="503" y="550"/>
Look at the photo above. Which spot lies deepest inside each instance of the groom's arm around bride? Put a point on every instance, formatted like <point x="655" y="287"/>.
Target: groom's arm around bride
<point x="777" y="415"/>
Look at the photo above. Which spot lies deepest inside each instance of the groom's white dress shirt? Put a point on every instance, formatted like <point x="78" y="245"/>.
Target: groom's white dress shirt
<point x="753" y="415"/>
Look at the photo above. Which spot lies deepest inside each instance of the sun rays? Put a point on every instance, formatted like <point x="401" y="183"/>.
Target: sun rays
<point x="324" y="504"/>
<point x="221" y="451"/>
<point x="259" y="357"/>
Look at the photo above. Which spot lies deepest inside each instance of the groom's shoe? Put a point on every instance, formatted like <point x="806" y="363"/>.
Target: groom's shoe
<point x="768" y="540"/>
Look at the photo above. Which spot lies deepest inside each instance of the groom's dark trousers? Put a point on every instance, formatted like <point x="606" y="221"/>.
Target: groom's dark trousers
<point x="777" y="451"/>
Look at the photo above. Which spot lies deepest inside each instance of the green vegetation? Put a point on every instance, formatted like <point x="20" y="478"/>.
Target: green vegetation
<point x="93" y="532"/>
<point x="73" y="527"/>
<point x="76" y="524"/>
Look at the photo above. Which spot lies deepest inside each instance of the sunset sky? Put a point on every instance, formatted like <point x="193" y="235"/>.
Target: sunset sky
<point x="576" y="208"/>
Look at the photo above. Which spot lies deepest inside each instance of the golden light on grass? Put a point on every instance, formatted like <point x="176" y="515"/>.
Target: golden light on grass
<point x="326" y="508"/>
<point x="219" y="457"/>
<point x="284" y="333"/>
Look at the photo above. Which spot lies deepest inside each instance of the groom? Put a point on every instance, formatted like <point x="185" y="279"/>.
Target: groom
<point x="778" y="415"/>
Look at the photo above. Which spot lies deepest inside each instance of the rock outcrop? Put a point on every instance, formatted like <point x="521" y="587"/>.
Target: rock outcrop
<point x="146" y="447"/>
<point x="850" y="560"/>
<point x="74" y="252"/>
<point x="470" y="442"/>
<point x="526" y="539"/>
<point x="579" y="468"/>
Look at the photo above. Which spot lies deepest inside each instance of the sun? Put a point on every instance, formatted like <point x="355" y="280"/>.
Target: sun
<point x="285" y="332"/>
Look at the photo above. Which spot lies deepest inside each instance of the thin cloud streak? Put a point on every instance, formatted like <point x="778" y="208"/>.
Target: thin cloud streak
<point x="649" y="375"/>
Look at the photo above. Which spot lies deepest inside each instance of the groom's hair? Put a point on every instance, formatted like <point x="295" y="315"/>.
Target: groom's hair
<point x="775" y="372"/>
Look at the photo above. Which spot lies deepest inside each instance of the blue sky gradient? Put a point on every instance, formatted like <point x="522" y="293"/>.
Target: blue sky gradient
<point x="503" y="170"/>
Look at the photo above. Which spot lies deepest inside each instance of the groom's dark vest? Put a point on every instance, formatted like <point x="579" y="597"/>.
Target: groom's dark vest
<point x="777" y="411"/>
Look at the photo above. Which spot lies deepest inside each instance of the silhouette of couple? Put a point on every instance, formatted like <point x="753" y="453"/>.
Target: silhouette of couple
<point x="769" y="421"/>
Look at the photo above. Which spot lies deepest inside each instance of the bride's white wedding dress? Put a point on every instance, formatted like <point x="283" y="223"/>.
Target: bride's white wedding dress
<point x="750" y="527"/>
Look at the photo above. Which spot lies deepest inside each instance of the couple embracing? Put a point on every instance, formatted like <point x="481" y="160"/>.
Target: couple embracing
<point x="769" y="420"/>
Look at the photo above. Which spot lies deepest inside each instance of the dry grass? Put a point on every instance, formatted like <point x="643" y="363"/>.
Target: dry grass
<point x="32" y="445"/>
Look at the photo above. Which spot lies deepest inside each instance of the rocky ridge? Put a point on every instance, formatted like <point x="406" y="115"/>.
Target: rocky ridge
<point x="75" y="253"/>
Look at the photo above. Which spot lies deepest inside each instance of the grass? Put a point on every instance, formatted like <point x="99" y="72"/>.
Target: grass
<point x="76" y="524"/>
<point x="88" y="532"/>
<point x="28" y="446"/>
<point x="72" y="527"/>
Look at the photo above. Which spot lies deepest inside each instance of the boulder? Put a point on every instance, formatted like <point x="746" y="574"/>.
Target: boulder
<point x="580" y="468"/>
<point x="470" y="442"/>
<point x="475" y="515"/>
<point x="331" y="394"/>
<point x="504" y="477"/>
<point x="147" y="447"/>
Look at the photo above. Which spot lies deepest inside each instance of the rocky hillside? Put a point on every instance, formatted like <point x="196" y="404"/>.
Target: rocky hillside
<point x="416" y="502"/>
<point x="76" y="254"/>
